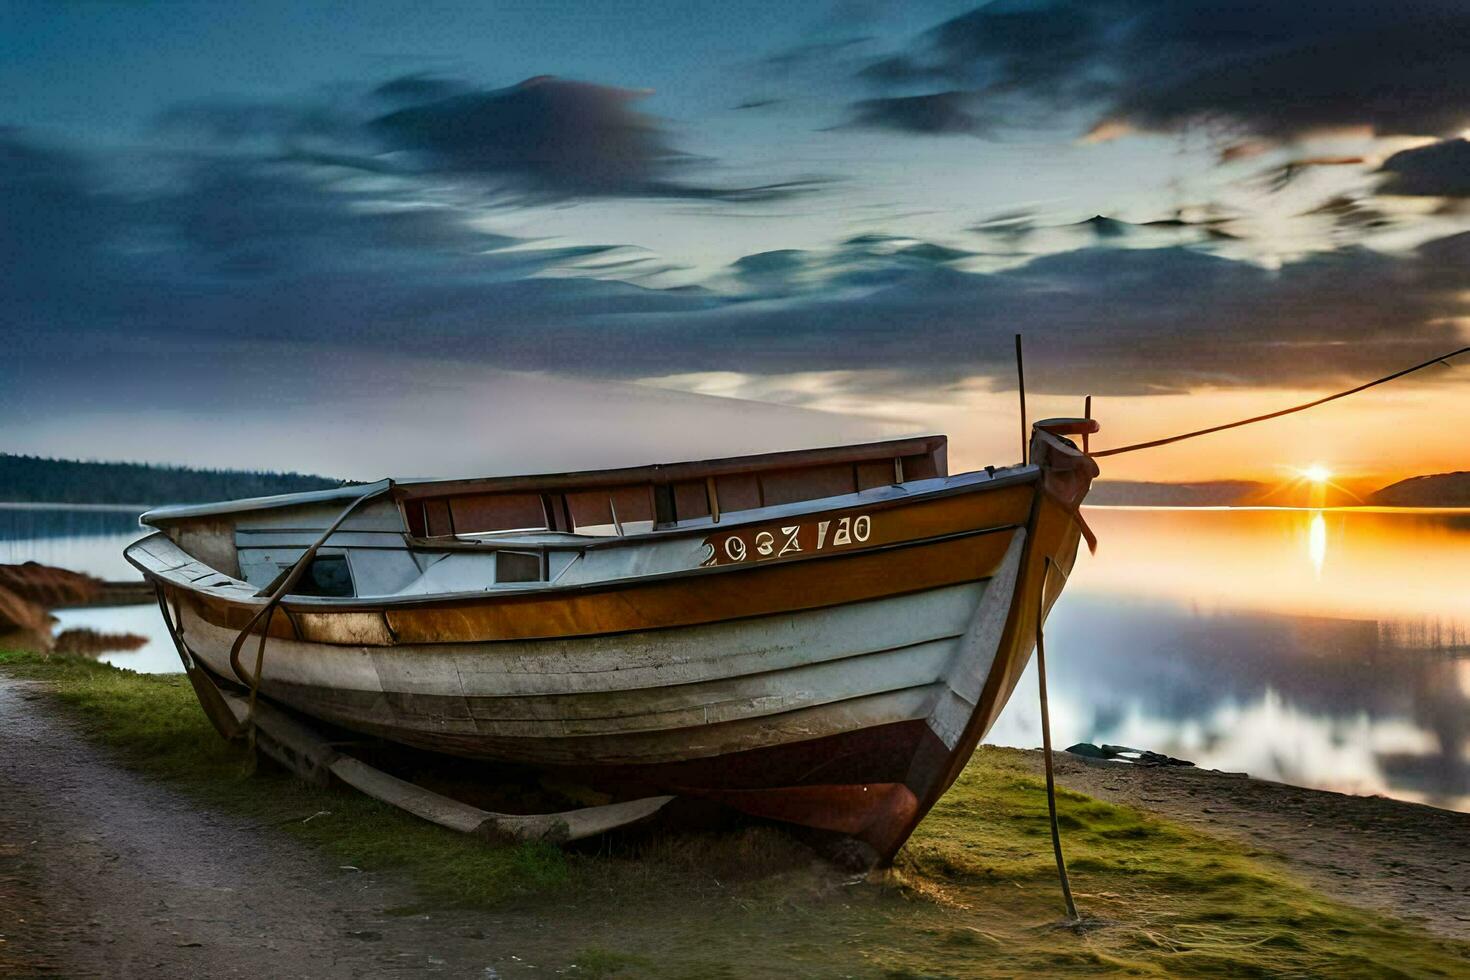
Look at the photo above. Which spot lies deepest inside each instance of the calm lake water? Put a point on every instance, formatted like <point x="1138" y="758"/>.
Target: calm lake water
<point x="1321" y="648"/>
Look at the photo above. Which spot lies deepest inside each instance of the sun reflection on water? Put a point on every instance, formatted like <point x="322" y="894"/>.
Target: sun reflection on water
<point x="1206" y="635"/>
<point x="1317" y="542"/>
<point x="1400" y="568"/>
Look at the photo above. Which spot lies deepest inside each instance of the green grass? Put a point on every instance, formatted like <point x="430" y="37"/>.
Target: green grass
<point x="603" y="963"/>
<point x="973" y="895"/>
<point x="154" y="724"/>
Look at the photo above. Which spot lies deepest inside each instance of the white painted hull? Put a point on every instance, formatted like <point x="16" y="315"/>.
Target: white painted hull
<point x="659" y="696"/>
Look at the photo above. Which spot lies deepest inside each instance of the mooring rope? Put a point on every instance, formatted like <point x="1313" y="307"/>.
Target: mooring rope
<point x="1051" y="789"/>
<point x="291" y="577"/>
<point x="175" y="631"/>
<point x="1441" y="359"/>
<point x="1051" y="797"/>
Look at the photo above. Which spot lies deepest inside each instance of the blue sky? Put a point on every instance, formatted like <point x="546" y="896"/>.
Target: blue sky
<point x="218" y="212"/>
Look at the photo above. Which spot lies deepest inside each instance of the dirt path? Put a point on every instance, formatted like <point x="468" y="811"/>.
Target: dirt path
<point x="106" y="873"/>
<point x="103" y="873"/>
<point x="1409" y="860"/>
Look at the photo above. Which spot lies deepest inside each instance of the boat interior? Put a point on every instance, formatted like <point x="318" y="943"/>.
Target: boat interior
<point x="438" y="537"/>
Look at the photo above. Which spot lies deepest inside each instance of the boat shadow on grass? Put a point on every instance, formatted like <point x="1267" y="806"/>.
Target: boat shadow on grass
<point x="972" y="894"/>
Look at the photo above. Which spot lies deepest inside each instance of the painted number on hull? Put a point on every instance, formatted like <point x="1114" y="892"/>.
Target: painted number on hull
<point x="789" y="540"/>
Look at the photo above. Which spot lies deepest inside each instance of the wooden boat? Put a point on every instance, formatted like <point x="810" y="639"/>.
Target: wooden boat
<point x="818" y="637"/>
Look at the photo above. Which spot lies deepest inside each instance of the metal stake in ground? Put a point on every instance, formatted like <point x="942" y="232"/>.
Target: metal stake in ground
<point x="1051" y="789"/>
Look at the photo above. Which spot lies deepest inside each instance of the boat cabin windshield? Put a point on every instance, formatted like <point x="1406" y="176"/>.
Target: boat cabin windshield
<point x="633" y="501"/>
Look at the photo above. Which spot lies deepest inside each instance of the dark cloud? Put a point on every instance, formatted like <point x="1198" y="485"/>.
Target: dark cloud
<point x="1348" y="212"/>
<point x="554" y="137"/>
<point x="770" y="267"/>
<point x="1013" y="226"/>
<point x="1006" y="45"/>
<point x="234" y="258"/>
<point x="1102" y="228"/>
<point x="543" y="139"/>
<point x="937" y="114"/>
<point x="1280" y="177"/>
<point x="1438" y="170"/>
<point x="1268" y="70"/>
<point x="418" y="88"/>
<point x="931" y="252"/>
<point x="549" y="133"/>
<point x="1117" y="320"/>
<point x="898" y="70"/>
<point x="233" y="251"/>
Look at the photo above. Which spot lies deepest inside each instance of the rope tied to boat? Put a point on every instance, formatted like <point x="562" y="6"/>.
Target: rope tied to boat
<point x="1074" y="513"/>
<point x="1167" y="440"/>
<point x="284" y="583"/>
<point x="1051" y="791"/>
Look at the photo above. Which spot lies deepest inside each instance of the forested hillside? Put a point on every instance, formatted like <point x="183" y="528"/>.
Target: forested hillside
<point x="37" y="479"/>
<point x="1216" y="493"/>
<point x="1434" y="490"/>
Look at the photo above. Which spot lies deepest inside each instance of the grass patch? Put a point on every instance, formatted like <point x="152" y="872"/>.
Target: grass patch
<point x="153" y="724"/>
<point x="973" y="894"/>
<point x="603" y="963"/>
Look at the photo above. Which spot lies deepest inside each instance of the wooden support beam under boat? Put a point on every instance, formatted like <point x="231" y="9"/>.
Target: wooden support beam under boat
<point x="309" y="755"/>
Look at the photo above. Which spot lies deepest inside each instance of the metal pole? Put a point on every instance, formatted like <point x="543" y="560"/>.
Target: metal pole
<point x="1021" y="384"/>
<point x="1087" y="414"/>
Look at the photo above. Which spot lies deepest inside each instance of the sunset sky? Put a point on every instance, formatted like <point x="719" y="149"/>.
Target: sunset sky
<point x="444" y="238"/>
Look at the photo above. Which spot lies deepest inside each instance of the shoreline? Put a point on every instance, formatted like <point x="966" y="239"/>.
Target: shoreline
<point x="1407" y="859"/>
<point x="113" y="782"/>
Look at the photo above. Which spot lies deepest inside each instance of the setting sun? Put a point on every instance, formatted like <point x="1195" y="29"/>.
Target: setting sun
<point x="1317" y="473"/>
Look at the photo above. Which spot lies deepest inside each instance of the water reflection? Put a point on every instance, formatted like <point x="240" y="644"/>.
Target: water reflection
<point x="1405" y="569"/>
<point x="1325" y="648"/>
<point x="87" y="540"/>
<point x="1317" y="542"/>
<point x="1230" y="638"/>
<point x="90" y="540"/>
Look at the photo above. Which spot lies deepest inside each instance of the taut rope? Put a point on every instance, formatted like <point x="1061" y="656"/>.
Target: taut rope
<point x="1051" y="798"/>
<point x="1441" y="359"/>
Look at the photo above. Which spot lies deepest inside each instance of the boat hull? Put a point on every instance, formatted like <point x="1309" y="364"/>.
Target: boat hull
<point x="842" y="692"/>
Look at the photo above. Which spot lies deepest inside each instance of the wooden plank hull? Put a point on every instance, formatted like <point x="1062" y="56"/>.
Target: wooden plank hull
<point x="685" y="692"/>
<point x="838" y="689"/>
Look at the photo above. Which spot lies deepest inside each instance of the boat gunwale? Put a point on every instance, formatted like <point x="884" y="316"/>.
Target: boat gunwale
<point x="322" y="604"/>
<point x="1019" y="476"/>
<point x="993" y="478"/>
<point x="1011" y="476"/>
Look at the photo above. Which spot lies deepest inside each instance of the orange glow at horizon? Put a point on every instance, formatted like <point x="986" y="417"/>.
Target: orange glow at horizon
<point x="1336" y="564"/>
<point x="1373" y="439"/>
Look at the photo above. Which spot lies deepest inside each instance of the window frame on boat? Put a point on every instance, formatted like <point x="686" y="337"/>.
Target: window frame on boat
<point x="652" y="498"/>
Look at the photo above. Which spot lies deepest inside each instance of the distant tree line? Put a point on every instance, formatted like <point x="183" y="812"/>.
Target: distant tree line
<point x="36" y="479"/>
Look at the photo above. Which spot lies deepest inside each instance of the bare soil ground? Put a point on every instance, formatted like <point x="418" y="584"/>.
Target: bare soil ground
<point x="1409" y="860"/>
<point x="104" y="873"/>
